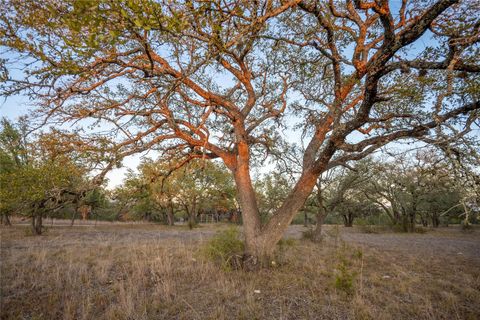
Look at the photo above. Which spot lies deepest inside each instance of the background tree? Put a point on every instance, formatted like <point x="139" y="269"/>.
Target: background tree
<point x="165" y="187"/>
<point x="13" y="156"/>
<point x="271" y="190"/>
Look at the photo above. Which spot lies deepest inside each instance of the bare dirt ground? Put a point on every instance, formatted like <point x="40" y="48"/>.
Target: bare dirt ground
<point x="148" y="271"/>
<point x="435" y="243"/>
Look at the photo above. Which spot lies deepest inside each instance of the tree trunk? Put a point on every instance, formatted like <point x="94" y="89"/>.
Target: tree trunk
<point x="321" y="214"/>
<point x="75" y="209"/>
<point x="192" y="221"/>
<point x="170" y="215"/>
<point x="248" y="205"/>
<point x="260" y="242"/>
<point x="424" y="220"/>
<point x="411" y="223"/>
<point x="317" y="233"/>
<point x="37" y="224"/>
<point x="348" y="220"/>
<point x="6" y="220"/>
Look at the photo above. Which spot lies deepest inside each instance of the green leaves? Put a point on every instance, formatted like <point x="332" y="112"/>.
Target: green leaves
<point x="33" y="173"/>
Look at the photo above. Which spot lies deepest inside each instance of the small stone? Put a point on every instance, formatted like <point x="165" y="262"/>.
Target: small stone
<point x="256" y="291"/>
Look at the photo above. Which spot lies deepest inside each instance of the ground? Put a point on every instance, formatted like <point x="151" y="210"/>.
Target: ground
<point x="147" y="271"/>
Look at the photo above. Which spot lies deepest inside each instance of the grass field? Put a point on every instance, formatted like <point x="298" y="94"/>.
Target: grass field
<point x="146" y="271"/>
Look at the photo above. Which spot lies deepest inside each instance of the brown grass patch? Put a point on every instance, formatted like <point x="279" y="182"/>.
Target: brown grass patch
<point x="107" y="273"/>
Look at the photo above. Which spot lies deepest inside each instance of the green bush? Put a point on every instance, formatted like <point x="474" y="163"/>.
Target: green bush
<point x="307" y="234"/>
<point x="344" y="277"/>
<point x="420" y="230"/>
<point x="287" y="242"/>
<point x="226" y="249"/>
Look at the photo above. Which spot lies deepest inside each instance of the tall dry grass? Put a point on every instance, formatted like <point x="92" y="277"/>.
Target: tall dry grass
<point x="125" y="278"/>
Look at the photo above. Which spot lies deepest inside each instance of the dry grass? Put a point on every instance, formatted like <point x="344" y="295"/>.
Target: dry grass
<point x="112" y="273"/>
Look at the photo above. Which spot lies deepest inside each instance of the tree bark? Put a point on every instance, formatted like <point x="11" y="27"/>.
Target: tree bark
<point x="260" y="241"/>
<point x="248" y="204"/>
<point x="74" y="214"/>
<point x="320" y="216"/>
<point x="192" y="221"/>
<point x="6" y="220"/>
<point x="317" y="233"/>
<point x="170" y="214"/>
<point x="37" y="224"/>
<point x="348" y="219"/>
<point x="435" y="221"/>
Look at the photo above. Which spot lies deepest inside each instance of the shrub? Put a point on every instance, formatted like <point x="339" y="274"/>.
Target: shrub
<point x="287" y="242"/>
<point x="192" y="224"/>
<point x="307" y="234"/>
<point x="369" y="229"/>
<point x="226" y="249"/>
<point x="466" y="226"/>
<point x="344" y="278"/>
<point x="420" y="230"/>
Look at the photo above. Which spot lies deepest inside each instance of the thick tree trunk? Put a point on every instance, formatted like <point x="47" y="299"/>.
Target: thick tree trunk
<point x="260" y="242"/>
<point x="317" y="232"/>
<point x="6" y="220"/>
<point x="250" y="213"/>
<point x="37" y="224"/>
<point x="348" y="220"/>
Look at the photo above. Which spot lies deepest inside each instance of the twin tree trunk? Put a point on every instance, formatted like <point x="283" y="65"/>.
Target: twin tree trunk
<point x="260" y="240"/>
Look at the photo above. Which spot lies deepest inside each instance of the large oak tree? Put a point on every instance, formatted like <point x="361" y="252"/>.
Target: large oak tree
<point x="220" y="79"/>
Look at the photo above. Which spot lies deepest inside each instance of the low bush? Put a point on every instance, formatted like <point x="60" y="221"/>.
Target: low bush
<point x="345" y="277"/>
<point x="226" y="249"/>
<point x="307" y="234"/>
